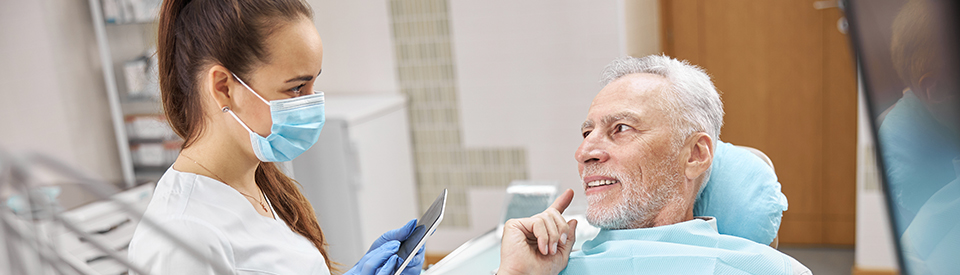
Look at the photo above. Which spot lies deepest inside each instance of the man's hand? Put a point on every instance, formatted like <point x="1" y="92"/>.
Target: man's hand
<point x="540" y="244"/>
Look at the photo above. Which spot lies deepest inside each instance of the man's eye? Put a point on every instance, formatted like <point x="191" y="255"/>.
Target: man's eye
<point x="623" y="127"/>
<point x="586" y="133"/>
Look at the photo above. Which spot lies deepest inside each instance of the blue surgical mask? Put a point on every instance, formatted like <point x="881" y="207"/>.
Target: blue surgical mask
<point x="296" y="126"/>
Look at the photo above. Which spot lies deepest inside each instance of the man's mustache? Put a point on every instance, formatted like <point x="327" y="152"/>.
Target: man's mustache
<point x="600" y="170"/>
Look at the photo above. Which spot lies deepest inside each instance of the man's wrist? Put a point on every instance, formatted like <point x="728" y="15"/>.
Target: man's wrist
<point x="509" y="270"/>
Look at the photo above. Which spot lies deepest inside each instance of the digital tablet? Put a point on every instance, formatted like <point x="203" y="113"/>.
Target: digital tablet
<point x="426" y="225"/>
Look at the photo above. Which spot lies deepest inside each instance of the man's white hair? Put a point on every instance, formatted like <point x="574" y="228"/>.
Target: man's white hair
<point x="693" y="99"/>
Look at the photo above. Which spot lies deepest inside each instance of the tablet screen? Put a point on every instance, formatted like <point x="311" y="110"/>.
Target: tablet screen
<point x="425" y="227"/>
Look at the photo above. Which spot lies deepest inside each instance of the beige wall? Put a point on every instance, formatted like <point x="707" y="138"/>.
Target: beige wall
<point x="358" y="54"/>
<point x="641" y="27"/>
<point x="53" y="98"/>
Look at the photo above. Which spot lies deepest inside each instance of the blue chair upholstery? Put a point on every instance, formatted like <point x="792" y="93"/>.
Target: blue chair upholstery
<point x="743" y="194"/>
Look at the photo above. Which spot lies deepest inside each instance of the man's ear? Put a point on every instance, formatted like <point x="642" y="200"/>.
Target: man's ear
<point x="929" y="91"/>
<point x="701" y="155"/>
<point x="217" y="83"/>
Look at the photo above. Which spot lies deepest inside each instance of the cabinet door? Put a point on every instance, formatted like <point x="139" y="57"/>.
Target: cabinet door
<point x="327" y="173"/>
<point x="788" y="85"/>
<point x="382" y="151"/>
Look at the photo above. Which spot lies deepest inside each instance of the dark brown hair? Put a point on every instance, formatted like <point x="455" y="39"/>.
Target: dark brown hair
<point x="194" y="35"/>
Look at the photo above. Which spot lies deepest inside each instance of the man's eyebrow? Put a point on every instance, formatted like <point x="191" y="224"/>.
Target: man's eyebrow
<point x="303" y="78"/>
<point x="610" y="119"/>
<point x="624" y="115"/>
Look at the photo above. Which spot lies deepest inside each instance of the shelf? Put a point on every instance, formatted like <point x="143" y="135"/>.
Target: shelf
<point x="141" y="106"/>
<point x="151" y="169"/>
<point x="135" y="23"/>
<point x="152" y="140"/>
<point x="150" y="176"/>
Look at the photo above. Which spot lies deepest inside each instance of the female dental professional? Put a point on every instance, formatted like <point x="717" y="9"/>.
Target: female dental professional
<point x="236" y="80"/>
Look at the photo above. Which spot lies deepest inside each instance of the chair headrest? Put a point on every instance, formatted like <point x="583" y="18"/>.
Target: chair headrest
<point x="743" y="194"/>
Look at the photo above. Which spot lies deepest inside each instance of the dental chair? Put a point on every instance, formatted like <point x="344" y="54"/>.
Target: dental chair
<point x="38" y="236"/>
<point x="106" y="224"/>
<point x="766" y="159"/>
<point x="742" y="193"/>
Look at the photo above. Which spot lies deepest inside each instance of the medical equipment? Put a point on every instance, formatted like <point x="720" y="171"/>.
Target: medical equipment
<point x="40" y="238"/>
<point x="426" y="225"/>
<point x="526" y="198"/>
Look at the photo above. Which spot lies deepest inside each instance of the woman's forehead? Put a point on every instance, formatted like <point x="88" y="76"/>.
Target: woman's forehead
<point x="295" y="49"/>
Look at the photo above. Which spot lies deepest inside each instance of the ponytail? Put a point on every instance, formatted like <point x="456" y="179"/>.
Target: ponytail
<point x="195" y="34"/>
<point x="181" y="104"/>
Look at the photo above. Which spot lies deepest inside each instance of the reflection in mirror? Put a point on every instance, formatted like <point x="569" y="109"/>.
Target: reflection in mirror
<point x="907" y="56"/>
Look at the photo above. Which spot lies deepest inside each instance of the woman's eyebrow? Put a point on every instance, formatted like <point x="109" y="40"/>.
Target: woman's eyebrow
<point x="303" y="78"/>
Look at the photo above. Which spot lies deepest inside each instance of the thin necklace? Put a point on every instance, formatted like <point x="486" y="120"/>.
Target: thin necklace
<point x="263" y="205"/>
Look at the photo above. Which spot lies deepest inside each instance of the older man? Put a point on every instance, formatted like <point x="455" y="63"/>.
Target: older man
<point x="647" y="148"/>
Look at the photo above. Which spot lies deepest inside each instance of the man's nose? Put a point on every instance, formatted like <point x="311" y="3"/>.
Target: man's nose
<point x="592" y="149"/>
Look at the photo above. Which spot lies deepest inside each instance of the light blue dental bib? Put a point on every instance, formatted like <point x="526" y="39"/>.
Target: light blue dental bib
<point x="691" y="247"/>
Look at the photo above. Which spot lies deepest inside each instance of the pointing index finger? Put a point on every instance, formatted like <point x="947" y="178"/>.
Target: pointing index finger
<point x="562" y="201"/>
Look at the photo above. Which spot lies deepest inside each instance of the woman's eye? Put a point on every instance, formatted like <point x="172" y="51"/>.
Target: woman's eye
<point x="296" y="90"/>
<point x="623" y="127"/>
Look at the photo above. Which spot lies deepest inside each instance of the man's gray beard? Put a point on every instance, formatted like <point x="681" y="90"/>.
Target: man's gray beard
<point x="638" y="207"/>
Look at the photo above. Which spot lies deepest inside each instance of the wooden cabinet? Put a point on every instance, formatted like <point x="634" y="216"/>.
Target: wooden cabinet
<point x="788" y="83"/>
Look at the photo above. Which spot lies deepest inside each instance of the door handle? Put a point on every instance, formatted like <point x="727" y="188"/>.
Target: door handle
<point x="822" y="5"/>
<point x="842" y="24"/>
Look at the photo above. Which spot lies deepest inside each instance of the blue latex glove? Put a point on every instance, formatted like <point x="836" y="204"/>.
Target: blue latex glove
<point x="415" y="266"/>
<point x="389" y="263"/>
<point x="378" y="261"/>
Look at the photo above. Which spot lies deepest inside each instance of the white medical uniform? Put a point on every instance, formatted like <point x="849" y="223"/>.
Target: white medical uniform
<point x="222" y="224"/>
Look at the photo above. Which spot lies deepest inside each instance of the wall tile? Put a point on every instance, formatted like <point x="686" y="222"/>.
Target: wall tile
<point x="425" y="68"/>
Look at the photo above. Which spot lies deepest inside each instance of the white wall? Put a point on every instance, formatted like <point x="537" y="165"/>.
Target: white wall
<point x="874" y="244"/>
<point x="52" y="97"/>
<point x="358" y="53"/>
<point x="527" y="72"/>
